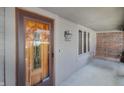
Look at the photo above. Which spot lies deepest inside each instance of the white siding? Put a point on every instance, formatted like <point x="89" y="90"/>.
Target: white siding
<point x="10" y="46"/>
<point x="1" y="46"/>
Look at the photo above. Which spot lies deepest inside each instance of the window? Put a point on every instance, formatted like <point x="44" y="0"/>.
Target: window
<point x="88" y="41"/>
<point x="84" y="42"/>
<point x="80" y="42"/>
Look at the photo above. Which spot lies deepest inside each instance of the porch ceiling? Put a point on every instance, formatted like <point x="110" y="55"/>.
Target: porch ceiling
<point x="96" y="18"/>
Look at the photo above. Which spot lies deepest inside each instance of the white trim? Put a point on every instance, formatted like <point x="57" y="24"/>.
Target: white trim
<point x="109" y="31"/>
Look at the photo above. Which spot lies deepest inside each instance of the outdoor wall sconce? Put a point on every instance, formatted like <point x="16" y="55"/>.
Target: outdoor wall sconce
<point x="67" y="35"/>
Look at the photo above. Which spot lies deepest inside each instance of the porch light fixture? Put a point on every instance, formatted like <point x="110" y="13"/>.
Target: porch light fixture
<point x="67" y="35"/>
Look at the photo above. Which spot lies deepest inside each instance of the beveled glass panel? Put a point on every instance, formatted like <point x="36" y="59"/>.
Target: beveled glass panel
<point x="36" y="51"/>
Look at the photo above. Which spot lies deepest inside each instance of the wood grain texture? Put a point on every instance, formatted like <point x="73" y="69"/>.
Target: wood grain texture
<point x="25" y="31"/>
<point x="34" y="76"/>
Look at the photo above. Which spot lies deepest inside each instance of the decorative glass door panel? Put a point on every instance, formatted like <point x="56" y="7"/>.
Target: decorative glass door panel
<point x="36" y="51"/>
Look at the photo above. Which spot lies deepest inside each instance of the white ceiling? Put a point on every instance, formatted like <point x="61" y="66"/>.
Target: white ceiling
<point x="96" y="18"/>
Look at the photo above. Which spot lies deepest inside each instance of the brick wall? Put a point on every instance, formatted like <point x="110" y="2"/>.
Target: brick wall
<point x="109" y="44"/>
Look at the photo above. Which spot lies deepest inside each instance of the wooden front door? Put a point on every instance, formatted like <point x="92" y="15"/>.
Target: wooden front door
<point x="34" y="49"/>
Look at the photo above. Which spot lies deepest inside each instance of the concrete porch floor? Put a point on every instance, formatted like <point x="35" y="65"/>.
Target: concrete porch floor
<point x="95" y="74"/>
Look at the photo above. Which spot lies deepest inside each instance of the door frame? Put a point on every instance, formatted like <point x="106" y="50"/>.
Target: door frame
<point x="20" y="47"/>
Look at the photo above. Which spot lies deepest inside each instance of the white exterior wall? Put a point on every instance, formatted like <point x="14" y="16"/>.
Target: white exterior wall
<point x="10" y="46"/>
<point x="1" y="46"/>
